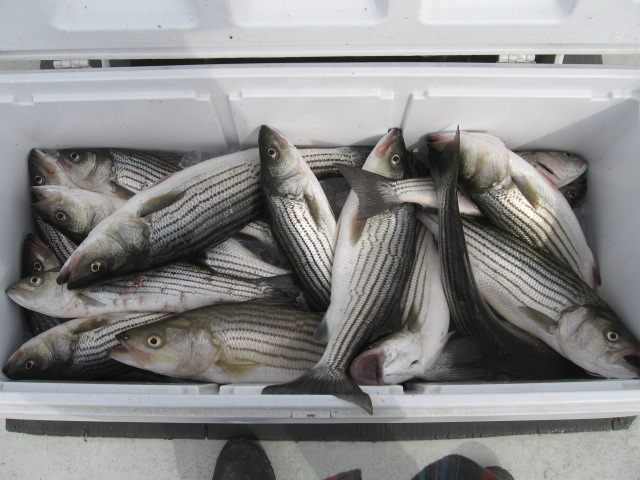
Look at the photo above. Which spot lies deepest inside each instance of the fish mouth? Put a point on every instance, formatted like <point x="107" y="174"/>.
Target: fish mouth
<point x="271" y="135"/>
<point x="70" y="272"/>
<point x="17" y="294"/>
<point x="44" y="159"/>
<point x="386" y="142"/>
<point x="45" y="195"/>
<point x="127" y="354"/>
<point x="633" y="359"/>
<point x="367" y="368"/>
<point x="15" y="358"/>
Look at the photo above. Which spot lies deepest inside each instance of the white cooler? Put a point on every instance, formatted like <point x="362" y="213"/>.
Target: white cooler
<point x="587" y="109"/>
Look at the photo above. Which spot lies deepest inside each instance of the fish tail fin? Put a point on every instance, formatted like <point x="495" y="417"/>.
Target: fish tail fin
<point x="283" y="289"/>
<point x="374" y="191"/>
<point x="324" y="380"/>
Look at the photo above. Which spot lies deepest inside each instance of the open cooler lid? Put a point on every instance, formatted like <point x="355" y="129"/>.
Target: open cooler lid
<point x="124" y="29"/>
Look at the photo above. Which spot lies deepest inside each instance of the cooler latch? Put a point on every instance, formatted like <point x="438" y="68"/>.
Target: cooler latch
<point x="517" y="58"/>
<point x="73" y="64"/>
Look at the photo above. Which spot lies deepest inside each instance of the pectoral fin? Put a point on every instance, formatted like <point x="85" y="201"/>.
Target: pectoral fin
<point x="527" y="188"/>
<point x="121" y="192"/>
<point x="89" y="323"/>
<point x="545" y="322"/>
<point x="159" y="202"/>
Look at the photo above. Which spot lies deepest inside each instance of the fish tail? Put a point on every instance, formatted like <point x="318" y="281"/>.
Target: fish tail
<point x="283" y="289"/>
<point x="374" y="192"/>
<point x="324" y="380"/>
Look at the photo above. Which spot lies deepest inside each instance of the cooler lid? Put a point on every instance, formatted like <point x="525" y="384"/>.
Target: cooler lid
<point x="124" y="29"/>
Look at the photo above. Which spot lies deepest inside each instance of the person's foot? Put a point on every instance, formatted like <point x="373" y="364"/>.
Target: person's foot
<point x="457" y="467"/>
<point x="350" y="475"/>
<point x="500" y="473"/>
<point x="243" y="459"/>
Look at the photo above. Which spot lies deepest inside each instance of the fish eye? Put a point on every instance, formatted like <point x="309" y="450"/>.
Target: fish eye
<point x="96" y="266"/>
<point x="29" y="364"/>
<point x="37" y="266"/>
<point x="61" y="216"/>
<point x="38" y="179"/>
<point x="612" y="336"/>
<point x="395" y="159"/>
<point x="35" y="281"/>
<point x="154" y="341"/>
<point x="273" y="153"/>
<point x="74" y="156"/>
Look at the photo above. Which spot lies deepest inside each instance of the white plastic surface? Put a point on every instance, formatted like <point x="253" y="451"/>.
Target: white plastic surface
<point x="99" y="29"/>
<point x="590" y="111"/>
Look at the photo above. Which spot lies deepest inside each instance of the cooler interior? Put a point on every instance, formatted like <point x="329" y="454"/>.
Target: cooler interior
<point x="590" y="111"/>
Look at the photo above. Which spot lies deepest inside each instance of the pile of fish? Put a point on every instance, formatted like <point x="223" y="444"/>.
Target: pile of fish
<point x="315" y="270"/>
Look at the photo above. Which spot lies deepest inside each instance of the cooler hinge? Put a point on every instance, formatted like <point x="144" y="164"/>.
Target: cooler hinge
<point x="517" y="58"/>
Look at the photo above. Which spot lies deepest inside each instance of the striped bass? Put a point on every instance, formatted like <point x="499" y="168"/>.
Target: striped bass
<point x="175" y="287"/>
<point x="184" y="213"/>
<point x="76" y="349"/>
<point x="372" y="261"/>
<point x="241" y="343"/>
<point x="516" y="198"/>
<point x="301" y="217"/>
<point x="411" y="352"/>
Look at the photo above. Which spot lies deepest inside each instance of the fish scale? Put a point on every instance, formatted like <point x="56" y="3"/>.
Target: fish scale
<point x="232" y="203"/>
<point x="507" y="209"/>
<point x="323" y="161"/>
<point x="233" y="259"/>
<point x="539" y="280"/>
<point x="247" y="342"/>
<point x="60" y="244"/>
<point x="380" y="252"/>
<point x="136" y="170"/>
<point x="314" y="248"/>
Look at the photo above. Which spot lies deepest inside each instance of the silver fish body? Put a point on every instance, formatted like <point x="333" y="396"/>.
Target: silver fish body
<point x="371" y="264"/>
<point x="301" y="216"/>
<point x="516" y="198"/>
<point x="175" y="287"/>
<point x="242" y="343"/>
<point x="412" y="351"/>
<point x="76" y="349"/>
